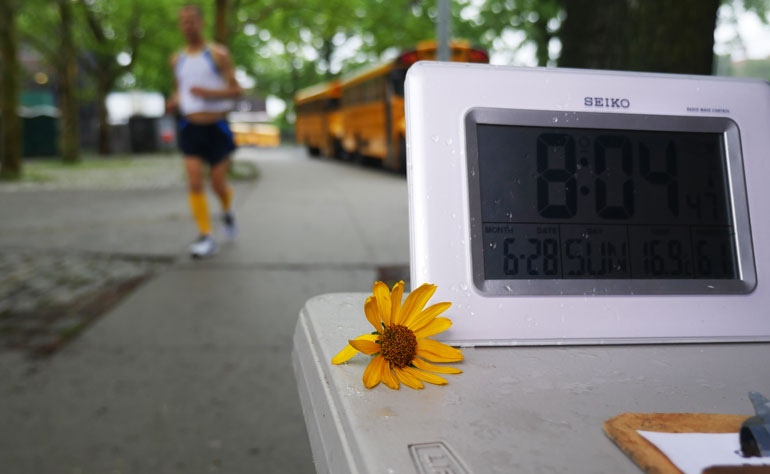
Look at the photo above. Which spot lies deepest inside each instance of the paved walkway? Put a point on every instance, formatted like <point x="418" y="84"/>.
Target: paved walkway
<point x="191" y="372"/>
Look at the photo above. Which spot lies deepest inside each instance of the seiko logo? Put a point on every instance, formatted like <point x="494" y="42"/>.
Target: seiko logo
<point x="609" y="102"/>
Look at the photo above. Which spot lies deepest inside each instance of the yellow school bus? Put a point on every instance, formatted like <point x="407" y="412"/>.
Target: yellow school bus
<point x="362" y="115"/>
<point x="255" y="134"/>
<point x="318" y="125"/>
<point x="372" y="104"/>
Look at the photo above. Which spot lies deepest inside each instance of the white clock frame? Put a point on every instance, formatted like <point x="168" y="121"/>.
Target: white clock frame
<point x="440" y="98"/>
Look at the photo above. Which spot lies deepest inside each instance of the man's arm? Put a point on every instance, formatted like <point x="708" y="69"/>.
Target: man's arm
<point x="221" y="58"/>
<point x="172" y="104"/>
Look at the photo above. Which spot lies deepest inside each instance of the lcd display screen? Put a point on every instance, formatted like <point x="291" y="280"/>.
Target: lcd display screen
<point x="575" y="203"/>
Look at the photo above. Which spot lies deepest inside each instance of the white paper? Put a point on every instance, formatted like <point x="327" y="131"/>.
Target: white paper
<point x="694" y="452"/>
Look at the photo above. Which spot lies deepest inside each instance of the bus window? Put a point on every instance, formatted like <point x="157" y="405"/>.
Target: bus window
<point x="397" y="77"/>
<point x="332" y="104"/>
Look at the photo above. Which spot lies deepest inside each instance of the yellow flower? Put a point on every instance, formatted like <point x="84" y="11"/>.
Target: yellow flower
<point x="399" y="341"/>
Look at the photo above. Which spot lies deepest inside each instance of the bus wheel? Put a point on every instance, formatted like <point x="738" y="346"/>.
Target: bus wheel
<point x="401" y="163"/>
<point x="313" y="151"/>
<point x="337" y="150"/>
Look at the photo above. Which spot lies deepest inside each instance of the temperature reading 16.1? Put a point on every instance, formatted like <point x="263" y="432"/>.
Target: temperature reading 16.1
<point x="571" y="203"/>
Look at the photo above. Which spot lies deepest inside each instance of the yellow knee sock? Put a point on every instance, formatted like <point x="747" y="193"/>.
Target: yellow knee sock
<point x="227" y="199"/>
<point x="200" y="212"/>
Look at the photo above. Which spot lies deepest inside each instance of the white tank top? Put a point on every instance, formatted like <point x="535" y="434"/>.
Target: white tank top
<point x="199" y="70"/>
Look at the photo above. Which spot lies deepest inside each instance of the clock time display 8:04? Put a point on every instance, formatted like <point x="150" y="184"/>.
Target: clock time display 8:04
<point x="570" y="203"/>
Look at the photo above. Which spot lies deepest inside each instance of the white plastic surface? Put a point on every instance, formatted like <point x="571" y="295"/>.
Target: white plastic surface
<point x="522" y="409"/>
<point x="438" y="95"/>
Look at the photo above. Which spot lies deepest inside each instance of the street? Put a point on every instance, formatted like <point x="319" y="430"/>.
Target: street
<point x="191" y="371"/>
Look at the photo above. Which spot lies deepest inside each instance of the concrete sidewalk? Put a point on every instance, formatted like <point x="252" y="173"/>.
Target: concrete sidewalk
<point x="192" y="372"/>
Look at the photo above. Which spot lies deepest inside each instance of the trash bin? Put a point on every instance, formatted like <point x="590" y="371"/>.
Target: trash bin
<point x="144" y="134"/>
<point x="121" y="138"/>
<point x="39" y="131"/>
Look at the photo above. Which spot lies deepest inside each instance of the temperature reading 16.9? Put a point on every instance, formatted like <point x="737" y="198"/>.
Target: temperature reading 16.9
<point x="573" y="203"/>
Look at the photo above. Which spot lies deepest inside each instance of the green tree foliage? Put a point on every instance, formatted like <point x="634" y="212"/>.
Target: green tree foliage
<point x="320" y="39"/>
<point x="397" y="24"/>
<point x="538" y="20"/>
<point x="760" y="7"/>
<point x="114" y="42"/>
<point x="159" y="38"/>
<point x="649" y="35"/>
<point x="289" y="44"/>
<point x="51" y="29"/>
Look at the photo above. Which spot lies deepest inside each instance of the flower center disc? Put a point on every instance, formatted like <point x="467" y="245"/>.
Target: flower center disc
<point x="398" y="345"/>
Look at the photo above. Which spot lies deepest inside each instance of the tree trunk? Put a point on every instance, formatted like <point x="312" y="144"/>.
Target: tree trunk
<point x="326" y="53"/>
<point x="595" y="34"/>
<point x="10" y="141"/>
<point x="681" y="40"/>
<point x="221" y="35"/>
<point x="103" y="86"/>
<point x="542" y="40"/>
<point x="68" y="103"/>
<point x="649" y="35"/>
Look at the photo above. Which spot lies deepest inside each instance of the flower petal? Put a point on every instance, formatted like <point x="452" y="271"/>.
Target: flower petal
<point x="372" y="313"/>
<point x="438" y="348"/>
<point x="415" y="302"/>
<point x="434" y="327"/>
<point x="436" y="351"/>
<point x="408" y="379"/>
<point x="435" y="357"/>
<point x="367" y="347"/>
<point x="396" y="316"/>
<point x="441" y="369"/>
<point x="382" y="296"/>
<point x="425" y="376"/>
<point x="418" y="321"/>
<point x="373" y="372"/>
<point x="389" y="378"/>
<point x="349" y="351"/>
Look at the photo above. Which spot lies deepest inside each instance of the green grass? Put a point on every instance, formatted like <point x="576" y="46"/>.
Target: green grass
<point x="72" y="331"/>
<point x="89" y="162"/>
<point x="96" y="171"/>
<point x="243" y="171"/>
<point x="119" y="170"/>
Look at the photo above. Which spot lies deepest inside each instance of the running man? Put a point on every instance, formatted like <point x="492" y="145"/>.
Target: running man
<point x="204" y="91"/>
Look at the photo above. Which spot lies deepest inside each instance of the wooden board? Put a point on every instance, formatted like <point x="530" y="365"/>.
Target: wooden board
<point x="622" y="431"/>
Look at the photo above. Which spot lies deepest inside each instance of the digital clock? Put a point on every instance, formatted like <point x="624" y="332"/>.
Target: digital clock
<point x="614" y="197"/>
<point x="584" y="206"/>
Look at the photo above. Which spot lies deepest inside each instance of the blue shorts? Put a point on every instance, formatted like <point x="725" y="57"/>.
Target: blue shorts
<point x="212" y="143"/>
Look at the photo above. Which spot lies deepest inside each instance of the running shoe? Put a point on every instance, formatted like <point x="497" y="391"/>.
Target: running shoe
<point x="203" y="247"/>
<point x="229" y="226"/>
